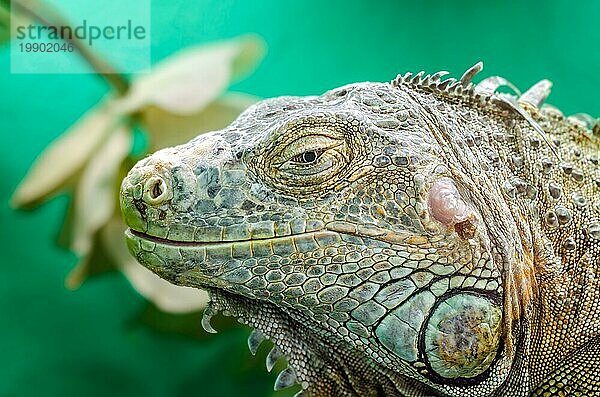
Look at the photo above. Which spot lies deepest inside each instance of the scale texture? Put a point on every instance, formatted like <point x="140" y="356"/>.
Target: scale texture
<point x="424" y="237"/>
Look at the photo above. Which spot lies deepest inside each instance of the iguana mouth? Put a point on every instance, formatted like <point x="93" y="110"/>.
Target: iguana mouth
<point x="160" y="240"/>
<point x="293" y="239"/>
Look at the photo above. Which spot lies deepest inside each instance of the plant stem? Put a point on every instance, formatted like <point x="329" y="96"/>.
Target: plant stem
<point x="45" y="15"/>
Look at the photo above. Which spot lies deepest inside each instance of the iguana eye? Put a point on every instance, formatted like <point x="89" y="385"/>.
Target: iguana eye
<point x="307" y="157"/>
<point x="314" y="157"/>
<point x="307" y="149"/>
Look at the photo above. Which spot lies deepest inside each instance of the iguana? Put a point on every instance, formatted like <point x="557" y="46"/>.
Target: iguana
<point x="424" y="237"/>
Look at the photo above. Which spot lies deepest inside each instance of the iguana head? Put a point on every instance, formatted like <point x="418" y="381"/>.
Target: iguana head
<point x="355" y="229"/>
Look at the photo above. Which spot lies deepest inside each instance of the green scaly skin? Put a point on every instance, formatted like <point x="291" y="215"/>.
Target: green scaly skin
<point x="424" y="237"/>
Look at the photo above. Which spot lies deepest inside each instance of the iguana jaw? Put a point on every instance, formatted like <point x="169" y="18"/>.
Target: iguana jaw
<point x="301" y="346"/>
<point x="202" y="264"/>
<point x="275" y="327"/>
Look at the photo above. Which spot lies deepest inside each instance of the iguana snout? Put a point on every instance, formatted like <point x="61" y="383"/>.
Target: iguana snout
<point x="155" y="190"/>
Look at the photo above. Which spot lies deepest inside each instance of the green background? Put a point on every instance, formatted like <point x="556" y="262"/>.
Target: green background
<point x="103" y="339"/>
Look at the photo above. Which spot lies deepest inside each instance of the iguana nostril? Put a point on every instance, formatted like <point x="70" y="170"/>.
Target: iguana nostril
<point x="156" y="190"/>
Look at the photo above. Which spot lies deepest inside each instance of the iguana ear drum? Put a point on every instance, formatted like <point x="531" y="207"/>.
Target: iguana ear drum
<point x="462" y="336"/>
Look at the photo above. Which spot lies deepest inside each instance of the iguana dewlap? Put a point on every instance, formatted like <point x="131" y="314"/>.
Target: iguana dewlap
<point x="423" y="237"/>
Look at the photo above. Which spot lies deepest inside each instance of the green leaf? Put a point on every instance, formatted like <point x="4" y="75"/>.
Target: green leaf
<point x="166" y="296"/>
<point x="63" y="158"/>
<point x="168" y="129"/>
<point x="252" y="50"/>
<point x="95" y="263"/>
<point x="64" y="237"/>
<point x="94" y="195"/>
<point x="189" y="80"/>
<point x="18" y="19"/>
<point x="4" y="23"/>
